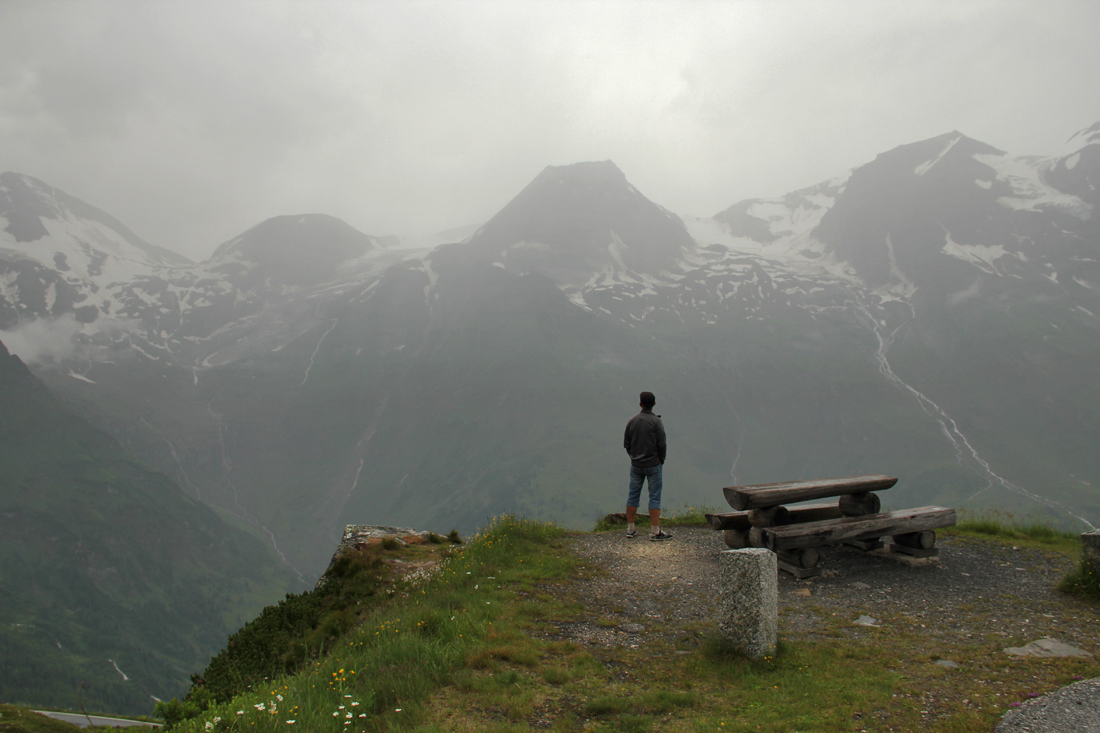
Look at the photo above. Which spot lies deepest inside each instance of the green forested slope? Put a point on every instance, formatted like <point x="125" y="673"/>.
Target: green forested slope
<point x="106" y="563"/>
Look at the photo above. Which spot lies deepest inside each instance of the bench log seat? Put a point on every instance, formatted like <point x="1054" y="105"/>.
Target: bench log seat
<point x="762" y="496"/>
<point x="834" y="531"/>
<point x="795" y="515"/>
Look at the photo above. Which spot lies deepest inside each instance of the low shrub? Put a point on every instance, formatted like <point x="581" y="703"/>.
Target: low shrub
<point x="1083" y="581"/>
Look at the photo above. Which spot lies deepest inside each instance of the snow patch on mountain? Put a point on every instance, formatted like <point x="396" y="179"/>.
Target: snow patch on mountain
<point x="93" y="252"/>
<point x="924" y="167"/>
<point x="1030" y="190"/>
<point x="764" y="251"/>
<point x="978" y="255"/>
<point x="81" y="377"/>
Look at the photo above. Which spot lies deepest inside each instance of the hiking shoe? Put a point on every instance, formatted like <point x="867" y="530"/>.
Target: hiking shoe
<point x="631" y="534"/>
<point x="660" y="536"/>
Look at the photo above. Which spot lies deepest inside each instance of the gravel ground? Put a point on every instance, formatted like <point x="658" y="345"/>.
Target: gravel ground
<point x="1073" y="709"/>
<point x="974" y="589"/>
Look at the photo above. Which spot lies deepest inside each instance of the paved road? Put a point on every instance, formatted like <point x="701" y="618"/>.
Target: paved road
<point x="82" y="720"/>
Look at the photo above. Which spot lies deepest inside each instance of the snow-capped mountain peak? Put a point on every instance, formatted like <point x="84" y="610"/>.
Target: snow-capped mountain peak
<point x="34" y="210"/>
<point x="304" y="249"/>
<point x="576" y="221"/>
<point x="61" y="255"/>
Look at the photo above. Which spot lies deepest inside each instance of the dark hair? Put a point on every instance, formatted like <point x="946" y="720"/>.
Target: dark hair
<point x="647" y="399"/>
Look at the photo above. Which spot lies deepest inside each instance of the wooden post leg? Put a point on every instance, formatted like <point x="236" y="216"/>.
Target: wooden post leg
<point x="860" y="504"/>
<point x="736" y="539"/>
<point x="917" y="544"/>
<point x="801" y="563"/>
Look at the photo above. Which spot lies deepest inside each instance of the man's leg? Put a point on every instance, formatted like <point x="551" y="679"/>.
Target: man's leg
<point x="633" y="498"/>
<point x="656" y="484"/>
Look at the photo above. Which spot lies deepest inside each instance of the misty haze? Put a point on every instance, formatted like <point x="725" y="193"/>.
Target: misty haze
<point x="354" y="298"/>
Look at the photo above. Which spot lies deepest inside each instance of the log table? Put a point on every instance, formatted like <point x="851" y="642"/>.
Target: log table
<point x="794" y="532"/>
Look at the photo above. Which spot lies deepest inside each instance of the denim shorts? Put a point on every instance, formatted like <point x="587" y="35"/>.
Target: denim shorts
<point x="637" y="476"/>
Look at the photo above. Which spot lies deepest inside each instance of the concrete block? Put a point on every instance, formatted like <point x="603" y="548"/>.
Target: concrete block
<point x="1090" y="541"/>
<point x="748" y="614"/>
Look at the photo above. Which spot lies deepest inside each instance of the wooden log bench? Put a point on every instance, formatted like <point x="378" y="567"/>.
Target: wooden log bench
<point x="762" y="496"/>
<point x="793" y="532"/>
<point x="738" y="526"/>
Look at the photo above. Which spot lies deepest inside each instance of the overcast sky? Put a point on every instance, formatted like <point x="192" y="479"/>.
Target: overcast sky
<point x="192" y="121"/>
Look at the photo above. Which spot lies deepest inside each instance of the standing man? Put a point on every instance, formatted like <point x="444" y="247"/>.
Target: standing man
<point x="644" y="441"/>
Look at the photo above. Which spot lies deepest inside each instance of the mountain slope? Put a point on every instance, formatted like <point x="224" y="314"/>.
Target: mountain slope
<point x="574" y="222"/>
<point x="930" y="314"/>
<point x="977" y="275"/>
<point x="110" y="574"/>
<point x="60" y="255"/>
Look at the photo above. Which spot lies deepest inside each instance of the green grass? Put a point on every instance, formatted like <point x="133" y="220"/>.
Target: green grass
<point x="21" y="720"/>
<point x="1082" y="581"/>
<point x="17" y="719"/>
<point x="1025" y="532"/>
<point x="686" y="516"/>
<point x="479" y="648"/>
<point x="448" y="630"/>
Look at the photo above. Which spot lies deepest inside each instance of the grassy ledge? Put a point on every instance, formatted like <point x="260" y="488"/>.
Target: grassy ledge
<point x="1033" y="533"/>
<point x="18" y="719"/>
<point x="485" y="644"/>
<point x="15" y="719"/>
<point x="686" y="516"/>
<point x="381" y="673"/>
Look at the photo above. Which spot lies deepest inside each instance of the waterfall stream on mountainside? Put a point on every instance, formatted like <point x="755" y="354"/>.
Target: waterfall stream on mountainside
<point x="885" y="336"/>
<point x="318" y="348"/>
<point x="740" y="441"/>
<point x="227" y="466"/>
<point x="179" y="465"/>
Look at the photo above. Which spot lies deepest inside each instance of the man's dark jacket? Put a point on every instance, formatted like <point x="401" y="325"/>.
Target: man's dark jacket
<point x="644" y="440"/>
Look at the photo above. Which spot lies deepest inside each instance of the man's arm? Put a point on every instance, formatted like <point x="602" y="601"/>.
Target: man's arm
<point x="661" y="446"/>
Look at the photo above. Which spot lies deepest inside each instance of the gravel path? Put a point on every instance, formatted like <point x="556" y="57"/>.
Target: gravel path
<point x="974" y="590"/>
<point x="1073" y="709"/>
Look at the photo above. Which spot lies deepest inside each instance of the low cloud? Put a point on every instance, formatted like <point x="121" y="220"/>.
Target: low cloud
<point x="192" y="122"/>
<point x="51" y="340"/>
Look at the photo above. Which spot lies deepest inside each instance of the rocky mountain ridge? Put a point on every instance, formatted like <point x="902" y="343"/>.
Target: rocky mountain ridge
<point x="931" y="311"/>
<point x="881" y="228"/>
